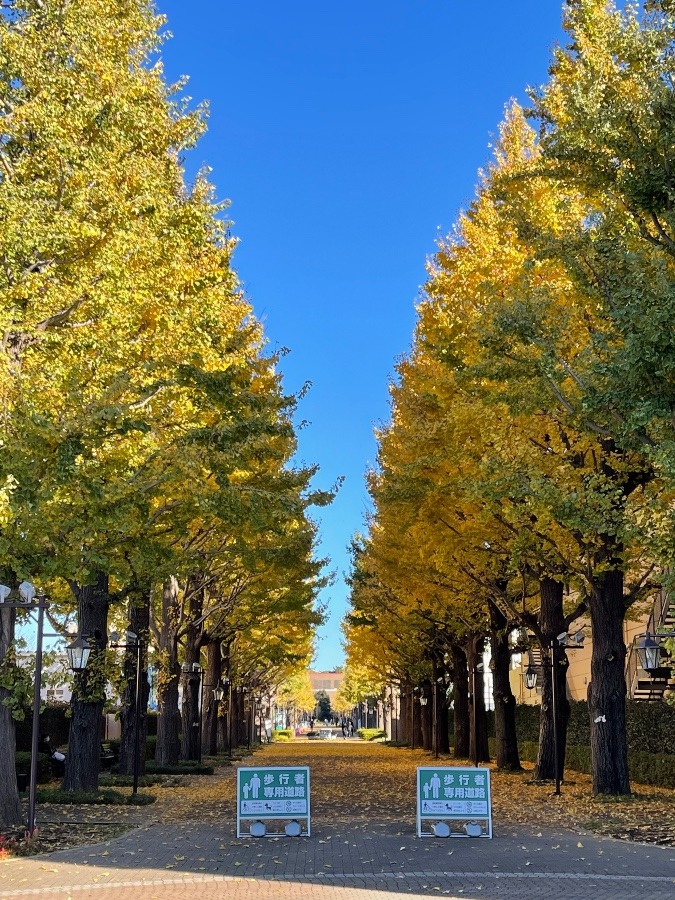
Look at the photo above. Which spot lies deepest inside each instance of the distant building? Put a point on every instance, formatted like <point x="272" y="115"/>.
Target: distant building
<point x="328" y="682"/>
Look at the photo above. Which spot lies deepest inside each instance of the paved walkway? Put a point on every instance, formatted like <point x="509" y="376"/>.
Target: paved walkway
<point x="347" y="856"/>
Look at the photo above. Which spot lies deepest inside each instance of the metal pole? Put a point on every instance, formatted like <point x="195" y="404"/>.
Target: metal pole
<point x="474" y="723"/>
<point x="41" y="606"/>
<point x="137" y="719"/>
<point x="201" y="709"/>
<point x="554" y="692"/>
<point x="435" y="708"/>
<point x="412" y="717"/>
<point x="229" y="718"/>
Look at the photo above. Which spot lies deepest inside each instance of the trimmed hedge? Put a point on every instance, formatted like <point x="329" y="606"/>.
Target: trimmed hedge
<point x="44" y="766"/>
<point x="371" y="734"/>
<point x="182" y="768"/>
<point x="283" y="734"/>
<point x="107" y="796"/>
<point x="650" y="726"/>
<point x="53" y="721"/>
<point x="644" y="768"/>
<point x="150" y="746"/>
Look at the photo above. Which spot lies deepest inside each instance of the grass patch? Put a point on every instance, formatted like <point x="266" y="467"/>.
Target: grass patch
<point x="96" y="798"/>
<point x="181" y="768"/>
<point x="144" y="781"/>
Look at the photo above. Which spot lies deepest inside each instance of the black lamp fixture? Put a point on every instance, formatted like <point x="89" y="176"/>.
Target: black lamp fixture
<point x="78" y="652"/>
<point x="218" y="693"/>
<point x="648" y="652"/>
<point x="530" y="678"/>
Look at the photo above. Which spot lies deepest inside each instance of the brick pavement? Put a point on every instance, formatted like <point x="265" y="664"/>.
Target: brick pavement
<point x="194" y="860"/>
<point x="355" y="852"/>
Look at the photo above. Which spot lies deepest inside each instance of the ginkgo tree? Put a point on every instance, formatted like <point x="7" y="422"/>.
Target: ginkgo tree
<point x="509" y="461"/>
<point x="144" y="429"/>
<point x="529" y="325"/>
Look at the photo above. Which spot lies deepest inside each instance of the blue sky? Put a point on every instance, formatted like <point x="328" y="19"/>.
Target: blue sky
<point x="348" y="137"/>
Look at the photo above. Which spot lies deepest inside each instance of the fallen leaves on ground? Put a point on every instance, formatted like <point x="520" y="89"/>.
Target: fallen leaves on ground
<point x="362" y="784"/>
<point x="58" y="836"/>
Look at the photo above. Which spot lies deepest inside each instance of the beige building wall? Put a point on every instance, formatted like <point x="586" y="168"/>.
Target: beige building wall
<point x="579" y="671"/>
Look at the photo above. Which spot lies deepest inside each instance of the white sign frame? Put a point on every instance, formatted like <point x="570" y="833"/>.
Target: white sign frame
<point x="263" y="809"/>
<point x="450" y="809"/>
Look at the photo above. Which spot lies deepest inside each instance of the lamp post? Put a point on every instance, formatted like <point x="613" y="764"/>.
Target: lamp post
<point x="561" y="643"/>
<point x="413" y="692"/>
<point x="423" y="702"/>
<point x="247" y="715"/>
<point x="478" y="667"/>
<point x="29" y="599"/>
<point x="229" y="717"/>
<point x="191" y="672"/>
<point x="134" y="642"/>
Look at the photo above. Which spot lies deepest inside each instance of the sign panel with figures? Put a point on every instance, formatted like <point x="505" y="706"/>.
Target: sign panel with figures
<point x="265" y="792"/>
<point x="455" y="795"/>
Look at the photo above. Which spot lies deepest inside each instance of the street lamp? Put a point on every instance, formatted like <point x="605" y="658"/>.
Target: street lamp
<point x="134" y="642"/>
<point x="649" y="653"/>
<point x="478" y="667"/>
<point x="530" y="678"/>
<point x="29" y="599"/>
<point x="414" y="691"/>
<point x="562" y="642"/>
<point x="218" y="693"/>
<point x="78" y="654"/>
<point x="196" y="671"/>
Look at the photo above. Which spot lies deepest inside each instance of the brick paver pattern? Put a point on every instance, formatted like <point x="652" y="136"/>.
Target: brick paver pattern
<point x="365" y="846"/>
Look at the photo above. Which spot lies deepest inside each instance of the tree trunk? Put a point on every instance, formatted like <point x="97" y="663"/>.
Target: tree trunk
<point x="84" y="740"/>
<point x="607" y="690"/>
<point x="404" y="732"/>
<point x="190" y="742"/>
<point x="479" y="750"/>
<point x="552" y="623"/>
<point x="212" y="679"/>
<point x="460" y="696"/>
<point x="168" y="717"/>
<point x="505" y="702"/>
<point x="139" y="623"/>
<point x="10" y="804"/>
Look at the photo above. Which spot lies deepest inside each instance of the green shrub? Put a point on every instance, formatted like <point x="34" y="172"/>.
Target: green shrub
<point x="645" y="768"/>
<point x="283" y="734"/>
<point x="44" y="767"/>
<point x="54" y="721"/>
<point x="113" y="781"/>
<point x="182" y="768"/>
<point x="86" y="798"/>
<point x="371" y="734"/>
<point x="650" y="727"/>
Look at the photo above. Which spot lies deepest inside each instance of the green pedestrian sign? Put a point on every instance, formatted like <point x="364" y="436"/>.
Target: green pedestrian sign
<point x="279" y="793"/>
<point x="453" y="802"/>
